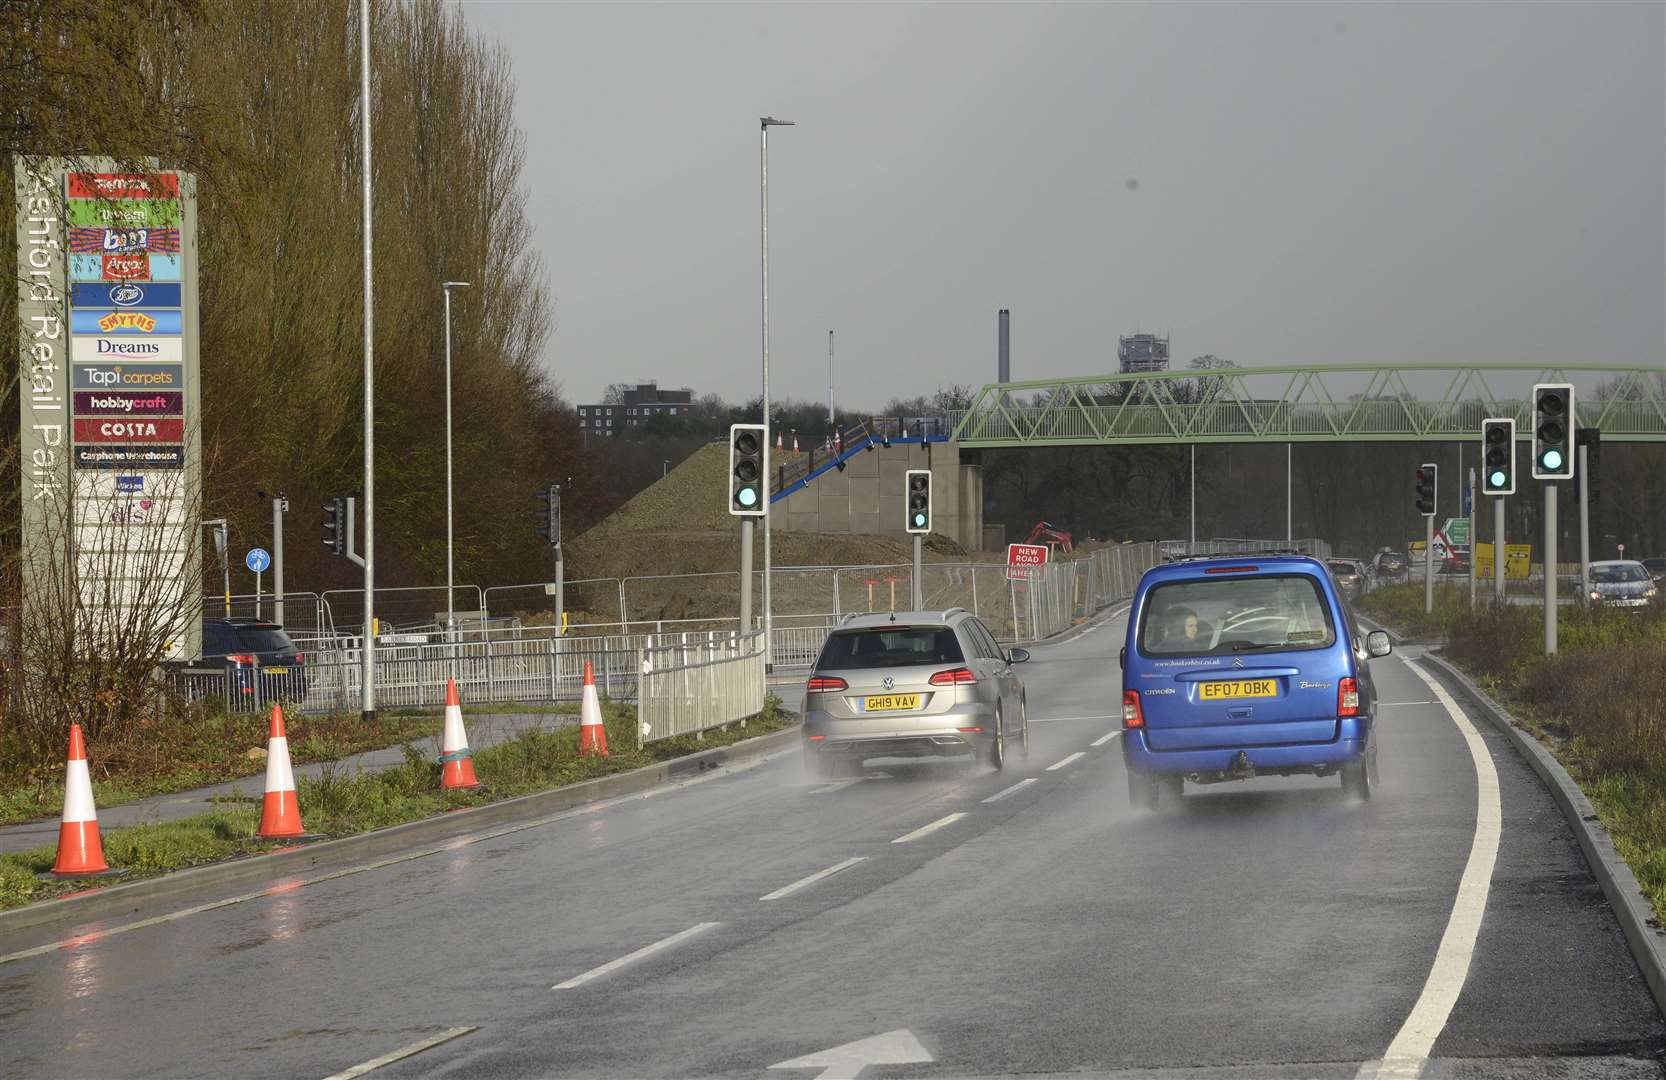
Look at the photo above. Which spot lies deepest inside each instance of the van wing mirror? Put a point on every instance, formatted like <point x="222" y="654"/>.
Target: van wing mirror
<point x="1378" y="644"/>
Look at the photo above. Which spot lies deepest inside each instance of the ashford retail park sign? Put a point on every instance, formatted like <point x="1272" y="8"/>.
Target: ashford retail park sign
<point x="111" y="437"/>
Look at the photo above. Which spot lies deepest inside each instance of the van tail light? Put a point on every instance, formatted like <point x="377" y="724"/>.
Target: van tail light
<point x="820" y="684"/>
<point x="1132" y="716"/>
<point x="300" y="657"/>
<point x="954" y="677"/>
<point x="241" y="658"/>
<point x="1347" y="698"/>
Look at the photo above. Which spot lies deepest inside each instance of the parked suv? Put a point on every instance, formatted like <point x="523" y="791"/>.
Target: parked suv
<point x="913" y="684"/>
<point x="1238" y="667"/>
<point x="262" y="663"/>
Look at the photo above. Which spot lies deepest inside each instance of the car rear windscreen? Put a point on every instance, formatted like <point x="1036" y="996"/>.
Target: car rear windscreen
<point x="1342" y="567"/>
<point x="890" y="647"/>
<point x="1618" y="573"/>
<point x="1221" y="616"/>
<point x="265" y="640"/>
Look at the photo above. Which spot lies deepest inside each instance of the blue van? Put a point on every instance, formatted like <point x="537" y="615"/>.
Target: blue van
<point x="1243" y="666"/>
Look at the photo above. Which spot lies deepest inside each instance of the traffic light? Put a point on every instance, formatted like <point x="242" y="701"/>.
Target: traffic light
<point x="746" y="470"/>
<point x="1498" y="457"/>
<point x="1553" y="431"/>
<point x="1426" y="483"/>
<point x="335" y="525"/>
<point x="919" y="501"/>
<point x="548" y="514"/>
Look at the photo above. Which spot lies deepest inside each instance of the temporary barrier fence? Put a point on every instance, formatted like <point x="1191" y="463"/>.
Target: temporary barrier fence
<point x="695" y="686"/>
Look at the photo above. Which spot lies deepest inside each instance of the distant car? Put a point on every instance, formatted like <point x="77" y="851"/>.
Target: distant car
<point x="1391" y="566"/>
<point x="913" y="684"/>
<point x="1656" y="568"/>
<point x="1242" y="666"/>
<point x="1350" y="575"/>
<point x="262" y="662"/>
<point x="1621" y="583"/>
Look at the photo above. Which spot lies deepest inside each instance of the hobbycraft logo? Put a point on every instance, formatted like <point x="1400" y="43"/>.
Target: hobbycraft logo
<point x="127" y="320"/>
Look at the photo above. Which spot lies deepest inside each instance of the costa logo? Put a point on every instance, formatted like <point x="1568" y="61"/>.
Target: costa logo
<point x="129" y="431"/>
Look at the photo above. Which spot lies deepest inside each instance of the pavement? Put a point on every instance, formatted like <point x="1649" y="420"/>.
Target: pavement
<point x="923" y="920"/>
<point x="484" y="729"/>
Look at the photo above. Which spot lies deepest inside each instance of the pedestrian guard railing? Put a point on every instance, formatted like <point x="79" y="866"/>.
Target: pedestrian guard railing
<point x="688" y="688"/>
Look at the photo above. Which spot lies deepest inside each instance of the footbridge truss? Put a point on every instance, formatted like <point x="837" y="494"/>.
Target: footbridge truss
<point x="1328" y="403"/>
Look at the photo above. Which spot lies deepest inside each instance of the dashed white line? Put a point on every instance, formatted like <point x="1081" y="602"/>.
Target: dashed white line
<point x="1063" y="719"/>
<point x="925" y="830"/>
<point x="1061" y="764"/>
<point x="631" y="958"/>
<point x="812" y="879"/>
<point x="828" y="789"/>
<point x="1105" y="738"/>
<point x="400" y="1054"/>
<point x="1386" y="704"/>
<point x="1014" y="789"/>
<point x="1409" y="1052"/>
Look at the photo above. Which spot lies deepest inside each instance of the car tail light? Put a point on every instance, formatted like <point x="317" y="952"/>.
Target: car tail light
<point x="954" y="676"/>
<point x="1231" y="569"/>
<point x="1132" y="716"/>
<point x="817" y="738"/>
<point x="973" y="730"/>
<point x="1347" y="698"/>
<point x="300" y="657"/>
<point x="241" y="658"/>
<point x="819" y="684"/>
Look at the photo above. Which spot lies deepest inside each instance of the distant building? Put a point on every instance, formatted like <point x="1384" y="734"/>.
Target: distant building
<point x="642" y="403"/>
<point x="1142" y="352"/>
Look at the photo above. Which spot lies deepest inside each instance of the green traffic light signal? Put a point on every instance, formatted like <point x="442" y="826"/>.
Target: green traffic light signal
<point x="747" y="496"/>
<point x="1497" y="478"/>
<point x="1552" y="460"/>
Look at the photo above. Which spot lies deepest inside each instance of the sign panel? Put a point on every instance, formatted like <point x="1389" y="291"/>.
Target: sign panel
<point x="1457" y="531"/>
<point x="119" y="321"/>
<point x="123" y="213"/>
<point x="85" y="185"/>
<point x="128" y="376"/>
<point x="90" y="350"/>
<point x="1517" y="557"/>
<point x="128" y="403"/>
<point x="257" y="560"/>
<point x="129" y="431"/>
<point x="141" y="266"/>
<point x="93" y="240"/>
<point x="125" y="294"/>
<point x="1025" y="560"/>
<point x="129" y="457"/>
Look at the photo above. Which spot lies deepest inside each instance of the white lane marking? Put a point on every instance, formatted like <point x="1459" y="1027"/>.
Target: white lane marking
<point x="1063" y="719"/>
<point x="283" y="885"/>
<point x="1385" y="704"/>
<point x="924" y="830"/>
<point x="1013" y="790"/>
<point x="1066" y="761"/>
<point x="1105" y="738"/>
<point x="828" y="789"/>
<point x="846" y="1062"/>
<point x="401" y="1054"/>
<point x="630" y="958"/>
<point x="1409" y="1051"/>
<point x="802" y="883"/>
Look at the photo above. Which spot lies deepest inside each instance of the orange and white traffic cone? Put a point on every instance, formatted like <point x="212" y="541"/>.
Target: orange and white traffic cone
<point x="592" y="734"/>
<point x="280" y="813"/>
<point x="79" y="850"/>
<point x="778" y="439"/>
<point x="795" y="443"/>
<point x="455" y="754"/>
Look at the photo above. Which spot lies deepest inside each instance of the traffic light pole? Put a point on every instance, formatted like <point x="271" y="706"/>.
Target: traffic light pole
<point x="919" y="597"/>
<point x="1428" y="563"/>
<point x="746" y="527"/>
<point x="1550" y="569"/>
<point x="279" y="505"/>
<point x="560" y="593"/>
<point x="1498" y="548"/>
<point x="1584" y="525"/>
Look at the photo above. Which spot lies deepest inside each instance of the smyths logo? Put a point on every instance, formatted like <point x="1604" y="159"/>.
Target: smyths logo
<point x="127" y="320"/>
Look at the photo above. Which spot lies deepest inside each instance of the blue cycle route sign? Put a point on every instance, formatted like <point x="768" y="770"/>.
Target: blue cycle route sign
<point x="257" y="560"/>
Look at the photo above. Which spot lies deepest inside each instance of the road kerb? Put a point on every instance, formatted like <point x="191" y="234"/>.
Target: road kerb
<point x="1625" y="896"/>
<point x="126" y="898"/>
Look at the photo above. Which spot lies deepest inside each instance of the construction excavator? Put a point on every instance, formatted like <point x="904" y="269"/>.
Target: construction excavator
<point x="1054" y="537"/>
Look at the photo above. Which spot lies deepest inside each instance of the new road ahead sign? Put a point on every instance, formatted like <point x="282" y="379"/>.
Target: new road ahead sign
<point x="1025" y="561"/>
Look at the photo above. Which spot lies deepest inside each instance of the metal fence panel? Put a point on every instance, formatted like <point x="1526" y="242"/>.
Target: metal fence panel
<point x="695" y="686"/>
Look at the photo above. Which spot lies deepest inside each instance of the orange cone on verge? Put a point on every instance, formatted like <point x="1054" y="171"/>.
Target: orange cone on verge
<point x="280" y="814"/>
<point x="455" y="755"/>
<point x="79" y="849"/>
<point x="592" y="735"/>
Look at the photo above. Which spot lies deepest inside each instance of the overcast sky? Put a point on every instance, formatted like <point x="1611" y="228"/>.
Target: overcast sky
<point x="1272" y="183"/>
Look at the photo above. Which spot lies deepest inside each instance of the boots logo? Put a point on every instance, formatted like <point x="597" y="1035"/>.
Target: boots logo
<point x="126" y="295"/>
<point x="127" y="320"/>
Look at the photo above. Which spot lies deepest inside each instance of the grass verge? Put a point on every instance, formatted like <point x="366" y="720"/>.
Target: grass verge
<point x="340" y="801"/>
<point x="1598" y="704"/>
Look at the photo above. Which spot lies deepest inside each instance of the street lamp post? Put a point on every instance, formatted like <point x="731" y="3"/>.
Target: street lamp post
<point x="764" y="124"/>
<point x="450" y="567"/>
<point x="367" y="654"/>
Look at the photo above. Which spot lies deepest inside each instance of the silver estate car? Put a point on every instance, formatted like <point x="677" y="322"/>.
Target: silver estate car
<point x="913" y="684"/>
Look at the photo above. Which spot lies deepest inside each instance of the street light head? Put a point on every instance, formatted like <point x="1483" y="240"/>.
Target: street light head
<point x="454" y="285"/>
<point x="770" y="121"/>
